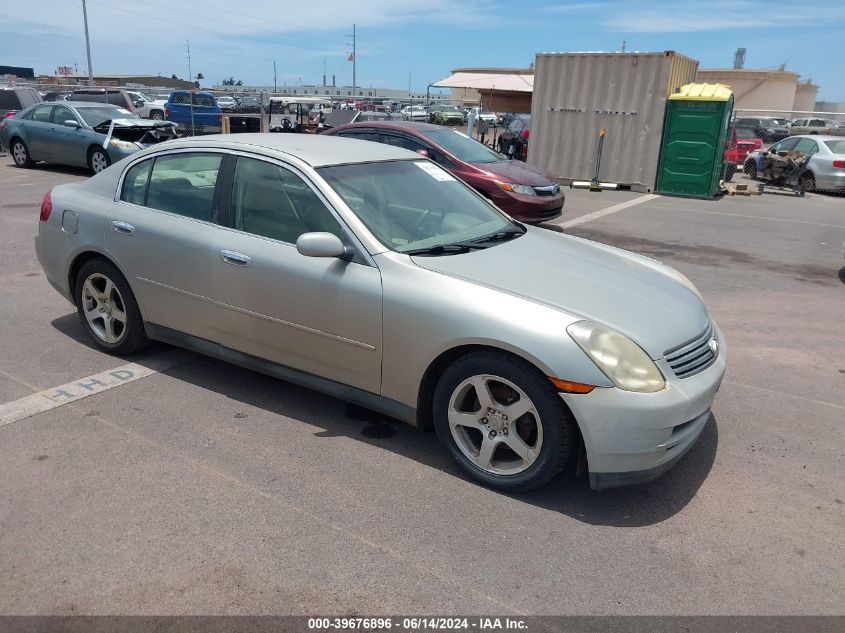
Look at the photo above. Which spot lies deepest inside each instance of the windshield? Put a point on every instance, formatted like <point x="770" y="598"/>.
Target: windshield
<point x="837" y="146"/>
<point x="95" y="116"/>
<point x="462" y="147"/>
<point x="409" y="205"/>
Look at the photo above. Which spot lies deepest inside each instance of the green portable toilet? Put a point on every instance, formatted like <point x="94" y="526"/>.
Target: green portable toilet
<point x="694" y="136"/>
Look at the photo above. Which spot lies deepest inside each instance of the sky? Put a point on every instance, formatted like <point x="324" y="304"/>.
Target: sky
<point x="417" y="42"/>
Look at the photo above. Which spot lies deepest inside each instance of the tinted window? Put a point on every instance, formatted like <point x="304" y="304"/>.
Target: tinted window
<point x="180" y="97"/>
<point x="203" y="100"/>
<point x="184" y="184"/>
<point x="785" y="145"/>
<point x="364" y="135"/>
<point x="42" y="113"/>
<point x="806" y="146"/>
<point x="135" y="183"/>
<point x="270" y="201"/>
<point x="402" y="141"/>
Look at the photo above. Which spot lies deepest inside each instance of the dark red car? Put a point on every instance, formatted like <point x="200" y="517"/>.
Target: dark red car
<point x="741" y="142"/>
<point x="521" y="191"/>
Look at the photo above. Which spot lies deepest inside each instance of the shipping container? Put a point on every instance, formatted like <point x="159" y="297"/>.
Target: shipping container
<point x="576" y="95"/>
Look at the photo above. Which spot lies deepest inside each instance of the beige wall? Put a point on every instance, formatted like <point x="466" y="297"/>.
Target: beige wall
<point x="805" y="97"/>
<point x="755" y="89"/>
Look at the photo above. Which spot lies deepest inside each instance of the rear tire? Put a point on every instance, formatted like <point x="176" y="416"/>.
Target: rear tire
<point x="156" y="115"/>
<point x="98" y="160"/>
<point x="20" y="154"/>
<point x="108" y="309"/>
<point x="502" y="421"/>
<point x="808" y="182"/>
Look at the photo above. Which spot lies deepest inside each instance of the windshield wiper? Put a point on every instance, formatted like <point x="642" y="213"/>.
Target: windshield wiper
<point x="499" y="236"/>
<point x="445" y="249"/>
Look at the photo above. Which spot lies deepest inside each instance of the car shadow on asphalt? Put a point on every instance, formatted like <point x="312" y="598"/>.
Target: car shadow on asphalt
<point x="56" y="169"/>
<point x="567" y="493"/>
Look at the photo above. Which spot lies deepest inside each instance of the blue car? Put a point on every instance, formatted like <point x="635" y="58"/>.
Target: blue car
<point x="194" y="112"/>
<point x="81" y="134"/>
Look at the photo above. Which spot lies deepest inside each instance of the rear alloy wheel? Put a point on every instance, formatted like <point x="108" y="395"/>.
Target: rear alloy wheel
<point x="20" y="154"/>
<point x="107" y="308"/>
<point x="750" y="170"/>
<point x="502" y="421"/>
<point x="157" y="116"/>
<point x="98" y="160"/>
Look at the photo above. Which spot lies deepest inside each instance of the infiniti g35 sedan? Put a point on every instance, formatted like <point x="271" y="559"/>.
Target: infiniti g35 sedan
<point x="368" y="273"/>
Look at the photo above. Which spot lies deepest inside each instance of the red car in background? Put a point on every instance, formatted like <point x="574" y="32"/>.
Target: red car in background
<point x="742" y="142"/>
<point x="523" y="192"/>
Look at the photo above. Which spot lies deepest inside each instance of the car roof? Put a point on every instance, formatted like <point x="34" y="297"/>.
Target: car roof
<point x="88" y="104"/>
<point x="818" y="137"/>
<point x="316" y="150"/>
<point x="411" y="126"/>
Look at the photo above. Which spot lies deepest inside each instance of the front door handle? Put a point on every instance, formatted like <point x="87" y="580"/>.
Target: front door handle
<point x="124" y="228"/>
<point x="234" y="258"/>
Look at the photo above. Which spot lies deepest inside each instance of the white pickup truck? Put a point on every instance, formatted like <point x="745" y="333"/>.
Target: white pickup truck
<point x="146" y="107"/>
<point x="815" y="126"/>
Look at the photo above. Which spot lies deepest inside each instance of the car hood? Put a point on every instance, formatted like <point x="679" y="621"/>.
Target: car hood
<point x="639" y="297"/>
<point x="142" y="131"/>
<point x="516" y="172"/>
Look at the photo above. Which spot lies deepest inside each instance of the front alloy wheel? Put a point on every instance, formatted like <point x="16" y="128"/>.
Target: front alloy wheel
<point x="495" y="424"/>
<point x="502" y="421"/>
<point x="98" y="160"/>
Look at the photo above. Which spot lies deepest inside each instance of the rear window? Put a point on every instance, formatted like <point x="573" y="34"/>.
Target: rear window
<point x="9" y="100"/>
<point x="837" y="146"/>
<point x="180" y="97"/>
<point x="204" y="100"/>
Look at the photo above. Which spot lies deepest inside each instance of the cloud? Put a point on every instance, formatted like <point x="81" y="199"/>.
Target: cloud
<point x="721" y="15"/>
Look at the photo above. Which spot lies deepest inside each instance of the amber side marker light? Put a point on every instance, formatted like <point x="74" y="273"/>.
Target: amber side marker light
<point x="571" y="387"/>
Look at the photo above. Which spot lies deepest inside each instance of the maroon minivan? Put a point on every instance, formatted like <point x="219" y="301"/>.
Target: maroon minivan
<point x="523" y="192"/>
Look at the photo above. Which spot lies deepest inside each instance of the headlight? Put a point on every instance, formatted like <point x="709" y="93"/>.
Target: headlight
<point x="123" y="144"/>
<point x="621" y="360"/>
<point x="525" y="190"/>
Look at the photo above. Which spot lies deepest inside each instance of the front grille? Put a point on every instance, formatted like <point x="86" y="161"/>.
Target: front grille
<point x="549" y="190"/>
<point x="693" y="356"/>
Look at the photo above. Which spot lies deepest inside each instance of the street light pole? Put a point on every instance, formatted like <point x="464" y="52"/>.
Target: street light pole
<point x="87" y="44"/>
<point x="354" y="61"/>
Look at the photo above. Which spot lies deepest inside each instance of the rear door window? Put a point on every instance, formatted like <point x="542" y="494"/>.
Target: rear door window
<point x="184" y="183"/>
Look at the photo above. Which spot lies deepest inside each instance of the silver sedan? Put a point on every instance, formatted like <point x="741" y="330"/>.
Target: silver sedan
<point x="371" y="274"/>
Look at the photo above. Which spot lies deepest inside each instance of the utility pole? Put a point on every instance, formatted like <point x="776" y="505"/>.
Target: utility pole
<point x="409" y="83"/>
<point x="624" y="43"/>
<point x="190" y="76"/>
<point x="275" y="89"/>
<point x="354" y="58"/>
<point x="87" y="44"/>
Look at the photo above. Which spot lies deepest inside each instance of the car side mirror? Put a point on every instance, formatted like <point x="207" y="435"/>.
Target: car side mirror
<point x="71" y="123"/>
<point x="320" y="244"/>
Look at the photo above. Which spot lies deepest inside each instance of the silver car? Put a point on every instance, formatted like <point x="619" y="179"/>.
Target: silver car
<point x="363" y="271"/>
<point x="825" y="169"/>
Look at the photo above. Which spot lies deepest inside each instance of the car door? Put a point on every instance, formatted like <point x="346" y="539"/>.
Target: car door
<point x="68" y="142"/>
<point x="318" y="315"/>
<point x="161" y="230"/>
<point x="37" y="133"/>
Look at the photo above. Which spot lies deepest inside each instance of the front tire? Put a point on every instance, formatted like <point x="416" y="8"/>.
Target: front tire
<point x="502" y="421"/>
<point x="98" y="160"/>
<point x="20" y="154"/>
<point x="108" y="309"/>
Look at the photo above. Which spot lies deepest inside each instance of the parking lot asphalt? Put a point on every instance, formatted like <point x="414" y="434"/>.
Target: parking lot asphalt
<point x="203" y="488"/>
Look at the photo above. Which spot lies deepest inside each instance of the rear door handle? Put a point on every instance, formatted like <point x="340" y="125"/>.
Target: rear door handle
<point x="123" y="228"/>
<point x="234" y="258"/>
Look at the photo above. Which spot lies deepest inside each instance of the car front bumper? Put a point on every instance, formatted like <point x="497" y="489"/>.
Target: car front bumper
<point x="530" y="209"/>
<point x="633" y="438"/>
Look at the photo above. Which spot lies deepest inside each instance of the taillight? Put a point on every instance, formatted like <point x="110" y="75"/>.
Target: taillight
<point x="46" y="206"/>
<point x="839" y="164"/>
<point x="525" y="133"/>
<point x="220" y="118"/>
<point x="166" y="113"/>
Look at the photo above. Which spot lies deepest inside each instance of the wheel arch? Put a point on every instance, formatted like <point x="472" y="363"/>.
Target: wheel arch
<point x="436" y="367"/>
<point x="86" y="255"/>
